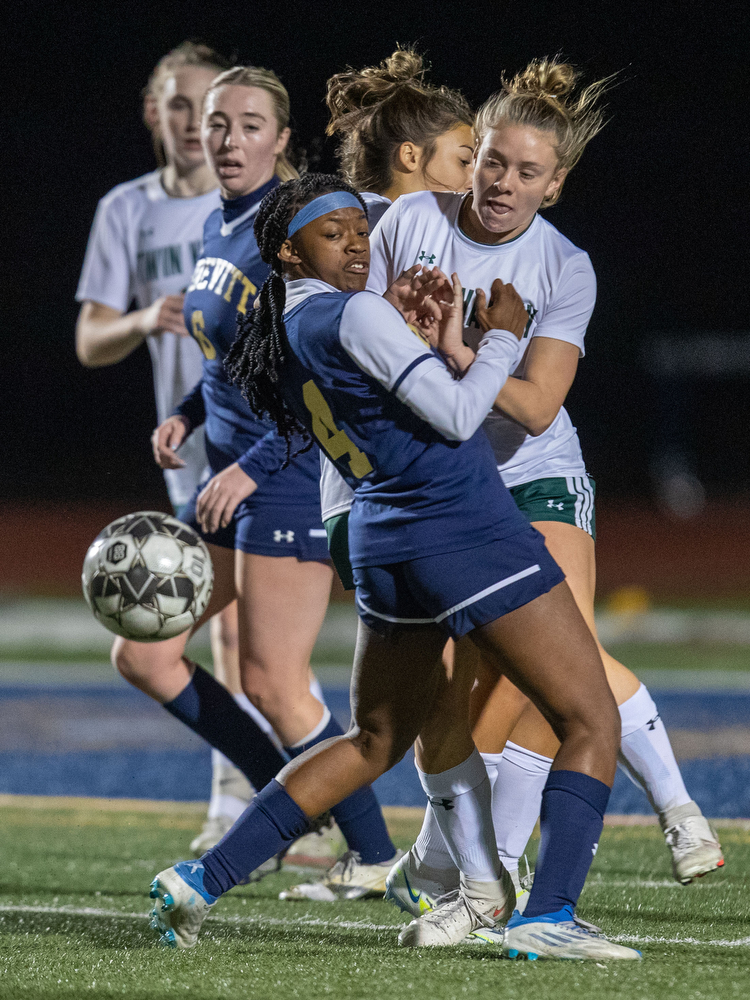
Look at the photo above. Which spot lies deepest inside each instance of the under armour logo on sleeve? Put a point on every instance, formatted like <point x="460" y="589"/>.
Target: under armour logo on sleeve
<point x="283" y="536"/>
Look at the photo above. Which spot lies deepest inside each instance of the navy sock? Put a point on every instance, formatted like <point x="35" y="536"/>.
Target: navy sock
<point x="206" y="707"/>
<point x="272" y="821"/>
<point x="359" y="816"/>
<point x="572" y="817"/>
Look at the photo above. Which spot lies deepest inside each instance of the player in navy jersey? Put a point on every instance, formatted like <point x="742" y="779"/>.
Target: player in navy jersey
<point x="439" y="549"/>
<point x="270" y="551"/>
<point x="145" y="239"/>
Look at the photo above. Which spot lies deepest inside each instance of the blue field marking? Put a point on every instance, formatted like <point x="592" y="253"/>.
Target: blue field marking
<point x="110" y="740"/>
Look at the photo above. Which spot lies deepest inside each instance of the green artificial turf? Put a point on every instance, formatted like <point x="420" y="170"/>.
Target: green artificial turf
<point x="73" y="899"/>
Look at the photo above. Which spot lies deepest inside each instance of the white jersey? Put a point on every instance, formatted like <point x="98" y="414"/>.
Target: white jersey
<point x="144" y="244"/>
<point x="554" y="278"/>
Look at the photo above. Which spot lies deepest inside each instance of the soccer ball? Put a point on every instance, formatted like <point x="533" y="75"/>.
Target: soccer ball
<point x="147" y="576"/>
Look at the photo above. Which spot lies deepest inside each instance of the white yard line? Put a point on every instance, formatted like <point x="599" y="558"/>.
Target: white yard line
<point x="91" y="911"/>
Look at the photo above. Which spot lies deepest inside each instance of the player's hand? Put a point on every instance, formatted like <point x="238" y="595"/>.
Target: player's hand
<point x="505" y="310"/>
<point x="450" y="331"/>
<point x="164" y="314"/>
<point x="417" y="295"/>
<point x="218" y="499"/>
<point x="166" y="439"/>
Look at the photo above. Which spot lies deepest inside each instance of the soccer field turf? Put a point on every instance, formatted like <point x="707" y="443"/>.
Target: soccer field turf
<point x="73" y="922"/>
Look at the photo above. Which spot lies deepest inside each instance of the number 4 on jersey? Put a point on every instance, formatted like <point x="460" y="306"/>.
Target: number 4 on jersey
<point x="334" y="441"/>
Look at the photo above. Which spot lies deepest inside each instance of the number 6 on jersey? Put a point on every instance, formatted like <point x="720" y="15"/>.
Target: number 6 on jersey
<point x="335" y="441"/>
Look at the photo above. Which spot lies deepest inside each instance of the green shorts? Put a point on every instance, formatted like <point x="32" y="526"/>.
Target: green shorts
<point x="337" y="530"/>
<point x="568" y="498"/>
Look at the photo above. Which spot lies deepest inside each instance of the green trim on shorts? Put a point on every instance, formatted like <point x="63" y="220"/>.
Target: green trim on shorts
<point x="337" y="530"/>
<point x="569" y="499"/>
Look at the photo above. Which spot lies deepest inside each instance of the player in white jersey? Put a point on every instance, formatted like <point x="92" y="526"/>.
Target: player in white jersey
<point x="529" y="136"/>
<point x="399" y="134"/>
<point x="145" y="240"/>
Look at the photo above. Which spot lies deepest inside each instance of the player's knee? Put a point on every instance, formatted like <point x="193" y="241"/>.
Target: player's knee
<point x="596" y="720"/>
<point x="380" y="746"/>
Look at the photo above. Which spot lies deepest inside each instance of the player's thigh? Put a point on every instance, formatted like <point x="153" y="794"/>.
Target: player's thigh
<point x="547" y="651"/>
<point x="574" y="552"/>
<point x="282" y="602"/>
<point x="395" y="679"/>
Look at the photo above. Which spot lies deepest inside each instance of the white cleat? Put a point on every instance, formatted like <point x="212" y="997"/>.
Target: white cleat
<point x="692" y="842"/>
<point x="317" y="849"/>
<point x="494" y="935"/>
<point x="567" y="939"/>
<point x="211" y="833"/>
<point x="179" y="910"/>
<point x="414" y="887"/>
<point x="348" y="879"/>
<point x="231" y="794"/>
<point x="475" y="905"/>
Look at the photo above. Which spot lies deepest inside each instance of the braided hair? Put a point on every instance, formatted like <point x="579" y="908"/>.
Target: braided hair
<point x="255" y="361"/>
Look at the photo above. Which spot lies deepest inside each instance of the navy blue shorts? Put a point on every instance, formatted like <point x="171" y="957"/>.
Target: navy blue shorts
<point x="268" y="529"/>
<point x="459" y="591"/>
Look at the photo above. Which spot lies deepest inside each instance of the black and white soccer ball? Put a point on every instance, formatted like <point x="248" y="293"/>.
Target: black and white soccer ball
<point x="147" y="576"/>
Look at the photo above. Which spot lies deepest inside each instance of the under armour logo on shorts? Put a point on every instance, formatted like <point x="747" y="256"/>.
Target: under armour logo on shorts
<point x="283" y="536"/>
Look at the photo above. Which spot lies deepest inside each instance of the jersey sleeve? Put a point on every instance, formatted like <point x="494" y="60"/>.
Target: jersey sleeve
<point x="268" y="456"/>
<point x="192" y="407"/>
<point x="105" y="277"/>
<point x="375" y="336"/>
<point x="570" y="310"/>
<point x="382" y="250"/>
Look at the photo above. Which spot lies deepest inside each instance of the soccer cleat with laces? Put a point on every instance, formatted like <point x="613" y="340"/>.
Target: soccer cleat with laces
<point x="474" y="905"/>
<point x="560" y="935"/>
<point x="693" y="844"/>
<point x="494" y="935"/>
<point x="413" y="886"/>
<point x="348" y="879"/>
<point x="318" y="849"/>
<point x="182" y="904"/>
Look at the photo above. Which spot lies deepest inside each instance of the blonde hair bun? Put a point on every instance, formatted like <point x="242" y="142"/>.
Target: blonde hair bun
<point x="544" y="77"/>
<point x="545" y="96"/>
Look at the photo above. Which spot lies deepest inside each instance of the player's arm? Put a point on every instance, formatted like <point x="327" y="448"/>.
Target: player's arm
<point x="373" y="333"/>
<point x="179" y="425"/>
<point x="551" y="359"/>
<point x="105" y="335"/>
<point x="535" y="400"/>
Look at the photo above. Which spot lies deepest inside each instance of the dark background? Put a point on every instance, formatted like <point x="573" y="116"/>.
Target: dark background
<point x="660" y="201"/>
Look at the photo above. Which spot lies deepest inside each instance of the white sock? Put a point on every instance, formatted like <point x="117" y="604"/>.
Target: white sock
<point x="517" y="800"/>
<point x="461" y="801"/>
<point x="315" y="731"/>
<point x="491" y="761"/>
<point x="230" y="790"/>
<point x="430" y="848"/>
<point x="317" y="691"/>
<point x="646" y="754"/>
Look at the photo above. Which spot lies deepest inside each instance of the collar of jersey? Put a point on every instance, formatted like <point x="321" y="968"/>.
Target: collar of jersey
<point x="492" y="247"/>
<point x="302" y="288"/>
<point x="235" y="211"/>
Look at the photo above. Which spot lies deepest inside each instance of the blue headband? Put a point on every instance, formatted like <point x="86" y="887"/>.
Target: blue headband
<point x="322" y="205"/>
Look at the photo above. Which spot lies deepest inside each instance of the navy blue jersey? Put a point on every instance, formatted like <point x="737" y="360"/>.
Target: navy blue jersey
<point x="225" y="282"/>
<point x="405" y="436"/>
